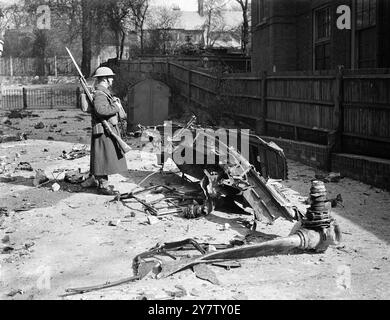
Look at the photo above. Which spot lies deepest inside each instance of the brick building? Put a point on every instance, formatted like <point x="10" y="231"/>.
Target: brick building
<point x="301" y="35"/>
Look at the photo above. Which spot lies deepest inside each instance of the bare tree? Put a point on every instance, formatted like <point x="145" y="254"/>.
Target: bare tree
<point x="117" y="16"/>
<point x="139" y="10"/>
<point x="13" y="16"/>
<point x="245" y="6"/>
<point x="161" y="23"/>
<point x="214" y="23"/>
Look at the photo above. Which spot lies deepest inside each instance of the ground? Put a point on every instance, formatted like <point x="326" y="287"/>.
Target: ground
<point x="67" y="240"/>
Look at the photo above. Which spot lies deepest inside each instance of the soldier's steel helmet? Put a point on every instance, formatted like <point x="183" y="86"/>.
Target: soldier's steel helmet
<point x="103" y="72"/>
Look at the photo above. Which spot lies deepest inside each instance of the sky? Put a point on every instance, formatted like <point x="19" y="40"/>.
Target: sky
<point x="185" y="5"/>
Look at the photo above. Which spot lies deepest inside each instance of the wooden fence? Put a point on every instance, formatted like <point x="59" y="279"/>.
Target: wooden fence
<point x="39" y="98"/>
<point x="349" y="111"/>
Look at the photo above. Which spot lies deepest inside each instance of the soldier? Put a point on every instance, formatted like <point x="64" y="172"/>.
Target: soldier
<point x="106" y="156"/>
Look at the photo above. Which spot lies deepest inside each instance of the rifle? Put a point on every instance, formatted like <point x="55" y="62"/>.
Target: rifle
<point x="122" y="145"/>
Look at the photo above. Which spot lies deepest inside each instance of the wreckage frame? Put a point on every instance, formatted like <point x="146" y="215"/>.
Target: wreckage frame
<point x="251" y="182"/>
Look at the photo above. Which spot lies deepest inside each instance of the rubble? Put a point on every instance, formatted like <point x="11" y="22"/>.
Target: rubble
<point x="7" y="250"/>
<point x="5" y="239"/>
<point x="13" y="137"/>
<point x="315" y="232"/>
<point x="329" y="177"/>
<point x="76" y="177"/>
<point x="40" y="178"/>
<point x="238" y="180"/>
<point x="203" y="272"/>
<point x="76" y="153"/>
<point x="21" y="114"/>
<point x="15" y="292"/>
<point x="24" y="166"/>
<point x="55" y="187"/>
<point x="40" y="125"/>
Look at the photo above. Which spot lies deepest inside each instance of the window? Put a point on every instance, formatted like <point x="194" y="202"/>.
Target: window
<point x="322" y="32"/>
<point x="366" y="33"/>
<point x="365" y="13"/>
<point x="322" y="54"/>
<point x="322" y="20"/>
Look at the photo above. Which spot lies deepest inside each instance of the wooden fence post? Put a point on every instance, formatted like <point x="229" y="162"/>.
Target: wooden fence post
<point x="189" y="85"/>
<point x="52" y="98"/>
<point x="55" y="67"/>
<point x="335" y="142"/>
<point x="25" y="106"/>
<point x="11" y="67"/>
<point x="261" y="125"/>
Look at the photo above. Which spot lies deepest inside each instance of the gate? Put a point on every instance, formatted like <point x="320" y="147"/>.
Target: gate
<point x="148" y="102"/>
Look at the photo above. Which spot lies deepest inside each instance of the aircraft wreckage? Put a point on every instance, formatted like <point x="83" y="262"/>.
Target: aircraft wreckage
<point x="252" y="180"/>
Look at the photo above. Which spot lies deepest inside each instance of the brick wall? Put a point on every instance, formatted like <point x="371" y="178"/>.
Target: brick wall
<point x="314" y="155"/>
<point x="373" y="171"/>
<point x="366" y="169"/>
<point x="285" y="40"/>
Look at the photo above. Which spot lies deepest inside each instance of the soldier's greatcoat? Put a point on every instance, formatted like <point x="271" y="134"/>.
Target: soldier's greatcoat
<point x="106" y="156"/>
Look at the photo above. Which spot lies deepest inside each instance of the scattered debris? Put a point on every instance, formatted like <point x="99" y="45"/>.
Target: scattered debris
<point x="76" y="153"/>
<point x="7" y="250"/>
<point x="226" y="227"/>
<point x="114" y="223"/>
<point x="29" y="245"/>
<point x="203" y="272"/>
<point x="338" y="201"/>
<point x="180" y="293"/>
<point x="76" y="177"/>
<point x="152" y="220"/>
<point x="26" y="207"/>
<point x="90" y="182"/>
<point x="21" y="114"/>
<point x="15" y="292"/>
<point x="15" y="114"/>
<point x="329" y="177"/>
<point x="40" y="125"/>
<point x="234" y="177"/>
<point x="56" y="187"/>
<point x="40" y="178"/>
<point x="24" y="166"/>
<point x="194" y="292"/>
<point x="13" y="138"/>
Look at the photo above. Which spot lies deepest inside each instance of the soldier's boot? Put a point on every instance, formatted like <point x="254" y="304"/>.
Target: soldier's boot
<point x="91" y="182"/>
<point x="104" y="188"/>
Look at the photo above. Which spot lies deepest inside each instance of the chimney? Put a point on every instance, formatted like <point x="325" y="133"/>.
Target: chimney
<point x="201" y="7"/>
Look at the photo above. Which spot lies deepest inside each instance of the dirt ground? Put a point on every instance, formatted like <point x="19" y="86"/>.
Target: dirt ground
<point x="67" y="238"/>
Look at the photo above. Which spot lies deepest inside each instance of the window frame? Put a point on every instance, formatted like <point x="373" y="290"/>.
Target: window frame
<point x="322" y="41"/>
<point x="369" y="24"/>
